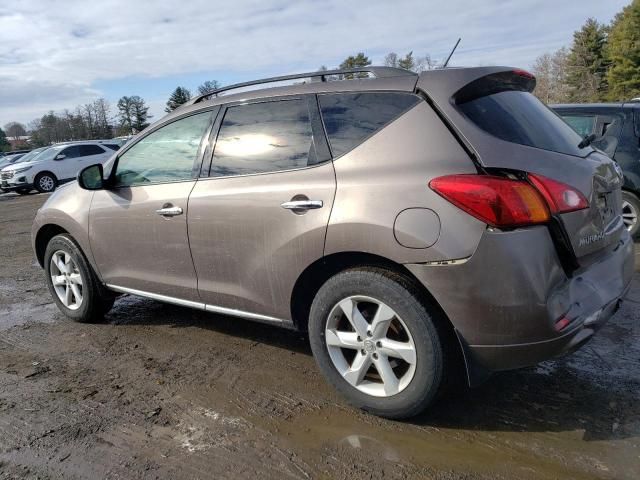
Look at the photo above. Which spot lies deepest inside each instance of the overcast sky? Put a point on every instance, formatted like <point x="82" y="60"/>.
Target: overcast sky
<point x="56" y="55"/>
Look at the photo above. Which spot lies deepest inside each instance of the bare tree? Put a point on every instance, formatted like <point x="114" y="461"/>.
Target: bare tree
<point x="550" y="70"/>
<point x="15" y="130"/>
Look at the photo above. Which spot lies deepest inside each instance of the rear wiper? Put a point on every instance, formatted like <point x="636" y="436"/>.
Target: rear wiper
<point x="586" y="141"/>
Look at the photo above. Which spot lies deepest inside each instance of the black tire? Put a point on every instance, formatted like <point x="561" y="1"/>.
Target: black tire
<point x="45" y="182"/>
<point x="23" y="191"/>
<point x="398" y="294"/>
<point x="96" y="300"/>
<point x="631" y="213"/>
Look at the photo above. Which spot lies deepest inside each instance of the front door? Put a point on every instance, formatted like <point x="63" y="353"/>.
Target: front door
<point x="260" y="217"/>
<point x="138" y="227"/>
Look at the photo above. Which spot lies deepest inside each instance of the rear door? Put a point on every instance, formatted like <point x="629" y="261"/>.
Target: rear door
<point x="258" y="216"/>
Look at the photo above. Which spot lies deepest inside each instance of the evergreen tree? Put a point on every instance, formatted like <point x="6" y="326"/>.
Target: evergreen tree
<point x="359" y="60"/>
<point x="586" y="64"/>
<point x="408" y="63"/>
<point x="180" y="96"/>
<point x="623" y="52"/>
<point x="140" y="113"/>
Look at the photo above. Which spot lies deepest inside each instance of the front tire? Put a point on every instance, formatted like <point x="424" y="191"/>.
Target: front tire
<point x="376" y="342"/>
<point x="45" y="182"/>
<point x="72" y="282"/>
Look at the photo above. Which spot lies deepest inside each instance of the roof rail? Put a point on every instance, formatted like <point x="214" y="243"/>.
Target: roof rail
<point x="378" y="72"/>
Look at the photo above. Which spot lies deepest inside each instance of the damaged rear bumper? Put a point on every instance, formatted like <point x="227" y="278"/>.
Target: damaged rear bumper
<point x="504" y="301"/>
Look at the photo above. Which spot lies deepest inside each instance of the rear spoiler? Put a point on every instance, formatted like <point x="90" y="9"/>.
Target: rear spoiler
<point x="511" y="80"/>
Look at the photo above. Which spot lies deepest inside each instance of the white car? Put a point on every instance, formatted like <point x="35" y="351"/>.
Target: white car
<point x="55" y="165"/>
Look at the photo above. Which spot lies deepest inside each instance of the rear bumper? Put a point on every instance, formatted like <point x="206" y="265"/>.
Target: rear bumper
<point x="505" y="299"/>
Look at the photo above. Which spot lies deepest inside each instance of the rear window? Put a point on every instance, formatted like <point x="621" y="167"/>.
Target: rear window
<point x="517" y="116"/>
<point x="582" y="124"/>
<point x="350" y="118"/>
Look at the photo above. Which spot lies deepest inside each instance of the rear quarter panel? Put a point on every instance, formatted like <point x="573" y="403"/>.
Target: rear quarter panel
<point x="389" y="173"/>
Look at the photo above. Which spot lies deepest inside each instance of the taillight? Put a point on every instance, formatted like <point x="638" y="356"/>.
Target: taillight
<point x="560" y="197"/>
<point x="497" y="201"/>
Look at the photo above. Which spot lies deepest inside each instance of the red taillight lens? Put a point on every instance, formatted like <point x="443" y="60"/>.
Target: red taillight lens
<point x="560" y="197"/>
<point x="497" y="201"/>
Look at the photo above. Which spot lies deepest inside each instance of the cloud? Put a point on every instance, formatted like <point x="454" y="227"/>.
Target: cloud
<point x="53" y="53"/>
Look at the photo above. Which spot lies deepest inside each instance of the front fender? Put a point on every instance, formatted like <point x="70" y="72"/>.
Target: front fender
<point x="67" y="209"/>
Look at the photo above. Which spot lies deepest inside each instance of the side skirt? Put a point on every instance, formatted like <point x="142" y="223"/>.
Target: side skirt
<point x="205" y="307"/>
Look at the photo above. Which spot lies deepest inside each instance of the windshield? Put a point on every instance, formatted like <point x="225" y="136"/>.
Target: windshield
<point x="31" y="155"/>
<point x="50" y="153"/>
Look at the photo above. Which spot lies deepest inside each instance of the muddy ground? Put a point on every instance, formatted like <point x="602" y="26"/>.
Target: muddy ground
<point x="159" y="391"/>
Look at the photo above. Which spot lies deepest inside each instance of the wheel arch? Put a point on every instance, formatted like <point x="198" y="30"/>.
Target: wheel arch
<point x="48" y="172"/>
<point x="43" y="237"/>
<point x="316" y="274"/>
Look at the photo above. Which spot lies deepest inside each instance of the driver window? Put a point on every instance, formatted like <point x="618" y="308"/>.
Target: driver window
<point x="166" y="155"/>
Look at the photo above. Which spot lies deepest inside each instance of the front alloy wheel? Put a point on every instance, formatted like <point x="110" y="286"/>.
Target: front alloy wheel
<point x="66" y="279"/>
<point x="45" y="183"/>
<point x="73" y="284"/>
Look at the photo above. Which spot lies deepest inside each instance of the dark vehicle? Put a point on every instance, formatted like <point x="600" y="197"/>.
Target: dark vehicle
<point x="616" y="127"/>
<point x="408" y="223"/>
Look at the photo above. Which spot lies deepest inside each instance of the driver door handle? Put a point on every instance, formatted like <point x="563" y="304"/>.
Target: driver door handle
<point x="168" y="211"/>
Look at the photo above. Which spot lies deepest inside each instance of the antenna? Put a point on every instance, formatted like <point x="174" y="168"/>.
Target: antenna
<point x="451" y="54"/>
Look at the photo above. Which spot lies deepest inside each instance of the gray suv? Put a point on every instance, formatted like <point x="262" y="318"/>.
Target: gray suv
<point x="406" y="222"/>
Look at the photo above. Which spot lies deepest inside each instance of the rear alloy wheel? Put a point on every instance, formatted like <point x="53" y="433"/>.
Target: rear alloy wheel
<point x="376" y="343"/>
<point x="45" y="183"/>
<point x="630" y="212"/>
<point x="355" y="345"/>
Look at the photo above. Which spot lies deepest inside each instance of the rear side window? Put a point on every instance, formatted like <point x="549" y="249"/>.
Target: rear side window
<point x="71" y="152"/>
<point x="88" y="150"/>
<point x="582" y="124"/>
<point x="264" y="137"/>
<point x="519" y="117"/>
<point x="350" y="118"/>
<point x="112" y="146"/>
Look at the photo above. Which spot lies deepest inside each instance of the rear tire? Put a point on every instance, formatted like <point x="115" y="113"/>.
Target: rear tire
<point x="73" y="285"/>
<point x="631" y="213"/>
<point x="402" y="356"/>
<point x="45" y="182"/>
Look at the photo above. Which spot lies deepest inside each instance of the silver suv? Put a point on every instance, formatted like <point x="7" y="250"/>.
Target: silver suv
<point x="405" y="222"/>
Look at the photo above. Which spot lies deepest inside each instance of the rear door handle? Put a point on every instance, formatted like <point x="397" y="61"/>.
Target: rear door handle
<point x="169" y="211"/>
<point x="302" y="204"/>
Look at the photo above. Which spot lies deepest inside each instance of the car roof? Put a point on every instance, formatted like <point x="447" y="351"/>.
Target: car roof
<point x="402" y="81"/>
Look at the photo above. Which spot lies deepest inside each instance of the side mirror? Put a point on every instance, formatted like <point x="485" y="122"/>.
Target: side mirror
<point x="90" y="178"/>
<point x="60" y="156"/>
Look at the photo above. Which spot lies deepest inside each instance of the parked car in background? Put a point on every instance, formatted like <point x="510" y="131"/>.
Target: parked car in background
<point x="14" y="152"/>
<point x="616" y="130"/>
<point x="55" y="165"/>
<point x="409" y="223"/>
<point x="10" y="159"/>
